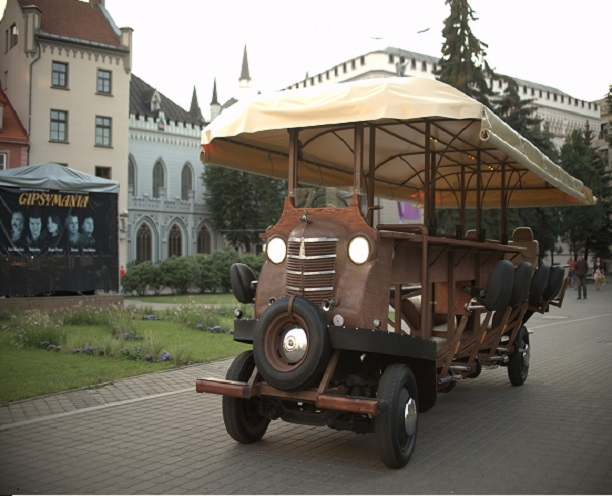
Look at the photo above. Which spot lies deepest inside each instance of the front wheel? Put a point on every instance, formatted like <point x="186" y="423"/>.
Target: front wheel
<point x="241" y="417"/>
<point x="396" y="425"/>
<point x="518" y="364"/>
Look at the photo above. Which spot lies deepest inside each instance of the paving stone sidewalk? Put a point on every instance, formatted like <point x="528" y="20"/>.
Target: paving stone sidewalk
<point x="153" y="434"/>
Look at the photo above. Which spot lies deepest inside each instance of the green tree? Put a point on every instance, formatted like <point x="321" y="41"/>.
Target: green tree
<point x="242" y="205"/>
<point x="463" y="64"/>
<point x="580" y="223"/>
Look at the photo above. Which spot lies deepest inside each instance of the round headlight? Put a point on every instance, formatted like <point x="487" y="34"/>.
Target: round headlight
<point x="276" y="250"/>
<point x="359" y="250"/>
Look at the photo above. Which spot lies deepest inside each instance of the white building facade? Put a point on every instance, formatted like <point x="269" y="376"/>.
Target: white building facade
<point x="167" y="213"/>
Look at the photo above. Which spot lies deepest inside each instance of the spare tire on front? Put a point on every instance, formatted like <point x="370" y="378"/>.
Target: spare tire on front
<point x="291" y="345"/>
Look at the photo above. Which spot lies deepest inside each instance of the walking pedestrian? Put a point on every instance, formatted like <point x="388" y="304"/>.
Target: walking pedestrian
<point x="598" y="272"/>
<point x="580" y="272"/>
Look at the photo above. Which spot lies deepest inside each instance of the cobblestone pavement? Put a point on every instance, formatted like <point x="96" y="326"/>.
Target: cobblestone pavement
<point x="153" y="434"/>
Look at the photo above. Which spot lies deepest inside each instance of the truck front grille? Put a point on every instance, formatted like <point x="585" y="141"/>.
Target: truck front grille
<point x="311" y="266"/>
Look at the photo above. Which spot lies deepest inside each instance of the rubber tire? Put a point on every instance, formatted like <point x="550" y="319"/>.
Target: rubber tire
<point x="272" y="325"/>
<point x="240" y="416"/>
<point x="499" y="286"/>
<point x="397" y="385"/>
<point x="517" y="368"/>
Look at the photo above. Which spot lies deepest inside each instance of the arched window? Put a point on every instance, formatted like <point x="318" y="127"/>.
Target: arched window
<point x="175" y="242"/>
<point x="186" y="182"/>
<point x="144" y="244"/>
<point x="13" y="36"/>
<point x="132" y="176"/>
<point x="204" y="241"/>
<point x="158" y="179"/>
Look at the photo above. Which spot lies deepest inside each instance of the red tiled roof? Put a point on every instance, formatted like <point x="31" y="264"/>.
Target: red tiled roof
<point x="12" y="130"/>
<point x="75" y="19"/>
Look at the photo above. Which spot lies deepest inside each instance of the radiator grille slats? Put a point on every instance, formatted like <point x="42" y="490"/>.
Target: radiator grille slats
<point x="311" y="267"/>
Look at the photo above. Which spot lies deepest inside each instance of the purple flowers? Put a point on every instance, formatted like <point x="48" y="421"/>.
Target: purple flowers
<point x="49" y="346"/>
<point x="216" y="329"/>
<point x="164" y="357"/>
<point x="86" y="350"/>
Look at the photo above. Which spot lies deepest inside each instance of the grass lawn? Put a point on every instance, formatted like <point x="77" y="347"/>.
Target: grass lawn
<point x="102" y="346"/>
<point x="198" y="299"/>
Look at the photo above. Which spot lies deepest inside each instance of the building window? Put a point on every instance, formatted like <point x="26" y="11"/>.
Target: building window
<point x="59" y="75"/>
<point x="362" y="60"/>
<point x="59" y="126"/>
<point x="104" y="85"/>
<point x="3" y="161"/>
<point x="13" y="36"/>
<point x="424" y="66"/>
<point x="104" y="172"/>
<point x="103" y="131"/>
<point x="132" y="176"/>
<point x="413" y="64"/>
<point x="204" y="241"/>
<point x="158" y="179"/>
<point x="144" y="244"/>
<point x="186" y="182"/>
<point x="391" y="58"/>
<point x="175" y="242"/>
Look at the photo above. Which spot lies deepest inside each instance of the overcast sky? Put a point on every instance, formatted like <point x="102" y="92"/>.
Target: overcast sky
<point x="181" y="43"/>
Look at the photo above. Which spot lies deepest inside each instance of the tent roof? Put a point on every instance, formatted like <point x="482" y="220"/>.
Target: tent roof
<point x="56" y="177"/>
<point x="409" y="116"/>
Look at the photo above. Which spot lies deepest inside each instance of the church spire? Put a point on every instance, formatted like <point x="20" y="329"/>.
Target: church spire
<point x="214" y="100"/>
<point x="194" y="109"/>
<point x="245" y="77"/>
<point x="215" y="106"/>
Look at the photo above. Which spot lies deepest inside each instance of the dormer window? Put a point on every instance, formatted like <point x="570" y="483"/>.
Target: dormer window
<point x="156" y="102"/>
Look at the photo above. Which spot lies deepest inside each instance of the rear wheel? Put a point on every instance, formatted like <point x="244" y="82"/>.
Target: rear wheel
<point x="518" y="364"/>
<point x="396" y="426"/>
<point x="241" y="417"/>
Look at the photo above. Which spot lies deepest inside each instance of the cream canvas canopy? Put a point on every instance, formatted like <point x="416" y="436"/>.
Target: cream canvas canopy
<point x="422" y="138"/>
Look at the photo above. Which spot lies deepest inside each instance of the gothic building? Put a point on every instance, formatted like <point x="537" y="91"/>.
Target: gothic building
<point x="167" y="214"/>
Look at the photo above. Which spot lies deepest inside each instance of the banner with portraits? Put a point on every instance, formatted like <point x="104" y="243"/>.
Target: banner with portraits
<point x="57" y="241"/>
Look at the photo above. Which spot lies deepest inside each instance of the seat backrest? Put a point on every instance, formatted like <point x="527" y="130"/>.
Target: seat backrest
<point x="499" y="286"/>
<point x="470" y="234"/>
<point x="523" y="236"/>
<point x="555" y="281"/>
<point x="521" y="284"/>
<point x="539" y="281"/>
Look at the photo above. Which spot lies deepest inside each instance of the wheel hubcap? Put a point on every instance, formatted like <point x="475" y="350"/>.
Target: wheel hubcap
<point x="295" y="345"/>
<point x="526" y="355"/>
<point x="410" y="417"/>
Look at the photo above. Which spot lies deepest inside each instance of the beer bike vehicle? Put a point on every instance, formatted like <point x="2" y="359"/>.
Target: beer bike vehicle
<point x="359" y="324"/>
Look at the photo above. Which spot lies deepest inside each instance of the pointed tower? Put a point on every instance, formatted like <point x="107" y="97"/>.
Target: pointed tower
<point x="245" y="77"/>
<point x="215" y="106"/>
<point x="194" y="110"/>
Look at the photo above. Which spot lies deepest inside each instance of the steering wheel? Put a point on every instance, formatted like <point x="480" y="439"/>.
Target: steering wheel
<point x="322" y="200"/>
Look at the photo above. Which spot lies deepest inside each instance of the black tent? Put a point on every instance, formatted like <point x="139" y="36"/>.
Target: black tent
<point x="58" y="232"/>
